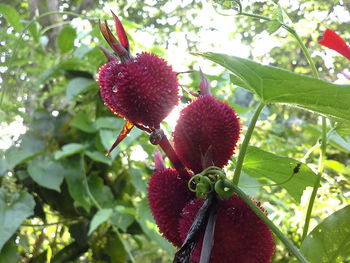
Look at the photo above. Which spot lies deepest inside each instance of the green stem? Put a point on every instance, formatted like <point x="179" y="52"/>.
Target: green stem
<point x="292" y="248"/>
<point x="244" y="146"/>
<point x="318" y="179"/>
<point x="99" y="207"/>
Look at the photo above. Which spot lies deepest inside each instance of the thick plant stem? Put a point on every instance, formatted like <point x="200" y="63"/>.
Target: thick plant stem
<point x="245" y="143"/>
<point x="318" y="179"/>
<point x="171" y="154"/>
<point x="323" y="142"/>
<point x="291" y="247"/>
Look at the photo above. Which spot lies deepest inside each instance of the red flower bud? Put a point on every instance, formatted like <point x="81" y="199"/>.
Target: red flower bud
<point x="168" y="194"/>
<point x="240" y="235"/>
<point x="143" y="90"/>
<point x="206" y="133"/>
<point x="333" y="41"/>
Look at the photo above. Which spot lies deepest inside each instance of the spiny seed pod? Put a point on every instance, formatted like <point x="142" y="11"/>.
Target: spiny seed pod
<point x="168" y="194"/>
<point x="207" y="130"/>
<point x="143" y="90"/>
<point x="240" y="235"/>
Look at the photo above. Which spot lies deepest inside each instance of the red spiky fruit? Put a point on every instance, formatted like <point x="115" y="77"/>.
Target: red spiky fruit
<point x="167" y="195"/>
<point x="143" y="89"/>
<point x="207" y="130"/>
<point x="240" y="235"/>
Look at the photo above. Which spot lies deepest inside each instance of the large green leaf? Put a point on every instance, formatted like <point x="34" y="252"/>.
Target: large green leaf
<point x="8" y="253"/>
<point x="47" y="173"/>
<point x="276" y="85"/>
<point x="68" y="150"/>
<point x="77" y="86"/>
<point x="100" y="217"/>
<point x="99" y="157"/>
<point x="101" y="192"/>
<point x="149" y="227"/>
<point x="29" y="148"/>
<point x="14" y="208"/>
<point x="329" y="242"/>
<point x="108" y="137"/>
<point x="11" y="16"/>
<point x="287" y="172"/>
<point x="75" y="178"/>
<point x="123" y="217"/>
<point x="112" y="123"/>
<point x="65" y="39"/>
<point x="82" y="122"/>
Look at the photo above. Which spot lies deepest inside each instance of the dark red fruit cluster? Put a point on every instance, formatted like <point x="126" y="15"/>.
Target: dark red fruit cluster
<point x="143" y="89"/>
<point x="207" y="131"/>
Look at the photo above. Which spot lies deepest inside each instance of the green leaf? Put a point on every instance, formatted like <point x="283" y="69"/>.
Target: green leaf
<point x="124" y="217"/>
<point x="3" y="166"/>
<point x="99" y="157"/>
<point x="330" y="241"/>
<point x="82" y="122"/>
<point x="111" y="123"/>
<point x="47" y="173"/>
<point x="8" y="254"/>
<point x="100" y="191"/>
<point x="149" y="227"/>
<point x="287" y="172"/>
<point x="277" y="20"/>
<point x="108" y="138"/>
<point x="343" y="129"/>
<point x="14" y="208"/>
<point x="78" y="85"/>
<point x="65" y="39"/>
<point x="68" y="150"/>
<point x="337" y="166"/>
<point x="273" y="26"/>
<point x="12" y="17"/>
<point x="29" y="148"/>
<point x="227" y="7"/>
<point x="276" y="85"/>
<point x="137" y="180"/>
<point x="75" y="178"/>
<point x="337" y="141"/>
<point x="114" y="249"/>
<point x="100" y="217"/>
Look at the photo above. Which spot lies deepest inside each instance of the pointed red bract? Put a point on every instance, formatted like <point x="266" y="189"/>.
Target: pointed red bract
<point x="112" y="41"/>
<point x="333" y="41"/>
<point x="123" y="38"/>
<point x="168" y="194"/>
<point x="158" y="160"/>
<point x="204" y="86"/>
<point x="122" y="135"/>
<point x="206" y="133"/>
<point x="240" y="235"/>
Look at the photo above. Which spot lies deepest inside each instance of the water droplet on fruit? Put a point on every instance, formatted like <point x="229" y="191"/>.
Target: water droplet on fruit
<point x="120" y="74"/>
<point x="115" y="88"/>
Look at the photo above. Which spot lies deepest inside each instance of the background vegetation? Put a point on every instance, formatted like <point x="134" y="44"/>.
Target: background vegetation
<point x="62" y="200"/>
